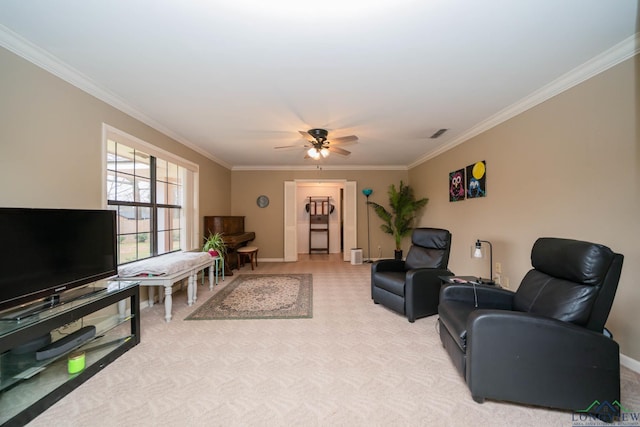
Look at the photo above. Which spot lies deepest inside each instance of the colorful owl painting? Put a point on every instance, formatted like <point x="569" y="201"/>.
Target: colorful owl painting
<point x="456" y="185"/>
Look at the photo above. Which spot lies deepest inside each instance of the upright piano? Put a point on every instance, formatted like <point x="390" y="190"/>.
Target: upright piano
<point x="232" y="230"/>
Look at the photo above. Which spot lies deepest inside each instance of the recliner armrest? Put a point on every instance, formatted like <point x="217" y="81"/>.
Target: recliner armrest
<point x="387" y="265"/>
<point x="422" y="291"/>
<point x="418" y="275"/>
<point x="487" y="296"/>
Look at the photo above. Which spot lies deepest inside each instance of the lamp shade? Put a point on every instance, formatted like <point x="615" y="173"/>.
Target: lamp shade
<point x="367" y="191"/>
<point x="477" y="252"/>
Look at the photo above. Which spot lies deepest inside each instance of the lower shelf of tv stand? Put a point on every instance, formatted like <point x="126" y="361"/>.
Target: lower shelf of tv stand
<point x="28" y="386"/>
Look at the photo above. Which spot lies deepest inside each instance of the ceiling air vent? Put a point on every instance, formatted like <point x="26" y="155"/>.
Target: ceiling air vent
<point x="438" y="133"/>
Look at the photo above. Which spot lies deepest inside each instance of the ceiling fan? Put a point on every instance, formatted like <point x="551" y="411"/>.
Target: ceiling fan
<point x="320" y="146"/>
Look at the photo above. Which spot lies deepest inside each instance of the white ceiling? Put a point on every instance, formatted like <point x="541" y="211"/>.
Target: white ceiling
<point x="235" y="78"/>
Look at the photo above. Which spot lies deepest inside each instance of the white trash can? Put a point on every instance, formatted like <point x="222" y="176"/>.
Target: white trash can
<point x="356" y="256"/>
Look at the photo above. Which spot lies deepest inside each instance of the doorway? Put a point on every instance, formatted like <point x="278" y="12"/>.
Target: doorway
<point x="294" y="215"/>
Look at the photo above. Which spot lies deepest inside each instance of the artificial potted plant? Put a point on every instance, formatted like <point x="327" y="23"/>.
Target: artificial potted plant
<point x="404" y="207"/>
<point x="214" y="244"/>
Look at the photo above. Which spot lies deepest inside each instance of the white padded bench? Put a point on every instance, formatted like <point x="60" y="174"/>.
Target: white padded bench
<point x="165" y="270"/>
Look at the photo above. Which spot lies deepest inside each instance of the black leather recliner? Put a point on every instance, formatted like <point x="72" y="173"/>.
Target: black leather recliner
<point x="412" y="287"/>
<point x="545" y="344"/>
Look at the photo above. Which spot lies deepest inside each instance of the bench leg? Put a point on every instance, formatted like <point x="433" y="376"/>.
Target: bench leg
<point x="194" y="279"/>
<point x="152" y="291"/>
<point x="192" y="289"/>
<point x="251" y="256"/>
<point x="168" y="302"/>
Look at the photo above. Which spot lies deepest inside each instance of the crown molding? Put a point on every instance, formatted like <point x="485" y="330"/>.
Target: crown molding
<point x="620" y="52"/>
<point x="50" y="63"/>
<point x="322" y="167"/>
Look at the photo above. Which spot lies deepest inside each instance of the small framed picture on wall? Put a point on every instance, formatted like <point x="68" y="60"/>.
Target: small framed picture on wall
<point x="476" y="182"/>
<point x="456" y="185"/>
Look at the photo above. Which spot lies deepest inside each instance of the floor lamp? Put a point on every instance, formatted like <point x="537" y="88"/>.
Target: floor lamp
<point x="367" y="192"/>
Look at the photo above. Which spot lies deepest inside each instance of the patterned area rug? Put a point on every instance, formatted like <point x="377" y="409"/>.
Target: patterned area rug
<point x="260" y="296"/>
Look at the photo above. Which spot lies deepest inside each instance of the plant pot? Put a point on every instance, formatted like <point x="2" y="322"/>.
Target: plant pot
<point x="213" y="253"/>
<point x="397" y="253"/>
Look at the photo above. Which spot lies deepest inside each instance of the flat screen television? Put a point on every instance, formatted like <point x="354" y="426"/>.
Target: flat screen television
<point x="45" y="252"/>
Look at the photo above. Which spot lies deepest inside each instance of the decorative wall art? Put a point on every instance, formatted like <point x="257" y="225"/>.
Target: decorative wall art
<point x="469" y="183"/>
<point x="476" y="180"/>
<point x="456" y="185"/>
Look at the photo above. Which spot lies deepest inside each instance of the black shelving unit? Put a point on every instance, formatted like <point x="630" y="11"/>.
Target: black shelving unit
<point x="29" y="386"/>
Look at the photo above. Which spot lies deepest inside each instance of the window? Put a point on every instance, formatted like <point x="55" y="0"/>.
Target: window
<point x="148" y="190"/>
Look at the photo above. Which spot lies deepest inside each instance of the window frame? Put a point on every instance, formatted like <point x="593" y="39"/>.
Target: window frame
<point x="189" y="214"/>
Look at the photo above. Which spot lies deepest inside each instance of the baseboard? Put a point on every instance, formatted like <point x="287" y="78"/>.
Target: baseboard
<point x="630" y="363"/>
<point x="282" y="260"/>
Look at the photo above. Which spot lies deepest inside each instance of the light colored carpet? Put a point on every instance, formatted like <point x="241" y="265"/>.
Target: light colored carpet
<point x="260" y="296"/>
<point x="353" y="364"/>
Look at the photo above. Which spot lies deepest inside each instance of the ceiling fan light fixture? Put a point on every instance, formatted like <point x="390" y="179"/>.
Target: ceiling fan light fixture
<point x="313" y="153"/>
<point x="320" y="147"/>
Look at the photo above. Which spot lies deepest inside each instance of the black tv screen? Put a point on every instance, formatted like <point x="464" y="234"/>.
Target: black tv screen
<point x="44" y="252"/>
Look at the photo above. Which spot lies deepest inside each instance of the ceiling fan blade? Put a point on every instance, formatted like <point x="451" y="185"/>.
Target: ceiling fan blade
<point x="334" y="143"/>
<point x="308" y="137"/>
<point x="291" y="146"/>
<point x="344" y="139"/>
<point x="338" y="150"/>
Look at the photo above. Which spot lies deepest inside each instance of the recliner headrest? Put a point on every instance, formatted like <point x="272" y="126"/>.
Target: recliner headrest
<point x="433" y="238"/>
<point x="573" y="260"/>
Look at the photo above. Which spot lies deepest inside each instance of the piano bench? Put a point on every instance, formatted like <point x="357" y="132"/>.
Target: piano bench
<point x="249" y="252"/>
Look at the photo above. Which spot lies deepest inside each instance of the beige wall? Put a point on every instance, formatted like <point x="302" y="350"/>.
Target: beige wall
<point x="51" y="143"/>
<point x="569" y="167"/>
<point x="268" y="223"/>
